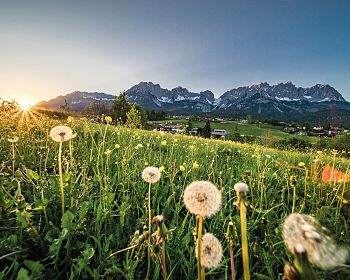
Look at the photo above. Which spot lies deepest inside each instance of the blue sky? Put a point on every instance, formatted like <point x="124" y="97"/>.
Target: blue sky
<point x="50" y="48"/>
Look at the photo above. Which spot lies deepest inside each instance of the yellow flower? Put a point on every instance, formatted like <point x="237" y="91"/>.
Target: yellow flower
<point x="163" y="143"/>
<point x="175" y="140"/>
<point x="108" y="119"/>
<point x="301" y="164"/>
<point x="146" y="163"/>
<point x="108" y="152"/>
<point x="182" y="168"/>
<point x="161" y="169"/>
<point x="191" y="147"/>
<point x="195" y="165"/>
<point x="117" y="146"/>
<point x="70" y="119"/>
<point x="138" y="146"/>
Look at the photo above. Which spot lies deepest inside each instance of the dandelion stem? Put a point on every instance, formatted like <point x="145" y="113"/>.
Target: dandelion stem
<point x="164" y="261"/>
<point x="149" y="229"/>
<point x="13" y="160"/>
<point x="199" y="246"/>
<point x="61" y="176"/>
<point x="245" y="255"/>
<point x="294" y="196"/>
<point x="232" y="260"/>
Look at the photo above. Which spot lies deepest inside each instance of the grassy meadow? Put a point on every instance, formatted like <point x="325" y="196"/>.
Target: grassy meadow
<point x="106" y="201"/>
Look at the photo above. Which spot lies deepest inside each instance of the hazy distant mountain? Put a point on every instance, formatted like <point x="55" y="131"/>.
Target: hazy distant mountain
<point x="283" y="101"/>
<point x="76" y="100"/>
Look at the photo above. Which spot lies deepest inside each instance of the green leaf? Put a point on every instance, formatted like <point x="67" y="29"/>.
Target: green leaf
<point x="23" y="275"/>
<point x="33" y="175"/>
<point x="36" y="268"/>
<point x="67" y="221"/>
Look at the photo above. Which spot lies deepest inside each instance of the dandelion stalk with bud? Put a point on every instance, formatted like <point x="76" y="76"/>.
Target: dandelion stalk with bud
<point x="60" y="134"/>
<point x="241" y="190"/>
<point x="13" y="141"/>
<point x="203" y="199"/>
<point x="151" y="175"/>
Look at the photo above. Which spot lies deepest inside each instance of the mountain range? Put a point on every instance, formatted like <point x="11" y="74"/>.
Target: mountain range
<point x="282" y="101"/>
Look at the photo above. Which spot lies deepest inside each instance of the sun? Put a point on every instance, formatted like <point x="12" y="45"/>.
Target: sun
<point x="24" y="104"/>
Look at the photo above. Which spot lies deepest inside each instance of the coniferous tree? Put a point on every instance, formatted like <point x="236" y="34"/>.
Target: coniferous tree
<point x="206" y="130"/>
<point x="133" y="118"/>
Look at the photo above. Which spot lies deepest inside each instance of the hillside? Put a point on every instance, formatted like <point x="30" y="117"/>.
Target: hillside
<point x="106" y="210"/>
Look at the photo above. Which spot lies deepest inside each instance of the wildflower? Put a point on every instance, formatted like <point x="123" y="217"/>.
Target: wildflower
<point x="70" y="119"/>
<point x="332" y="175"/>
<point x="117" y="146"/>
<point x="108" y="119"/>
<point x="163" y="143"/>
<point x="62" y="133"/>
<point x="146" y="163"/>
<point x="195" y="165"/>
<point x="211" y="253"/>
<point x="241" y="187"/>
<point x="108" y="152"/>
<point x="182" y="168"/>
<point x="202" y="198"/>
<point x="138" y="146"/>
<point x="301" y="164"/>
<point x="191" y="147"/>
<point x="151" y="175"/>
<point x="302" y="233"/>
<point x="161" y="169"/>
<point x="13" y="139"/>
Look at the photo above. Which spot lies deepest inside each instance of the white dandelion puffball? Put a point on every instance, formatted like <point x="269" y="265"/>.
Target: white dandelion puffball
<point x="241" y="187"/>
<point x="61" y="133"/>
<point x="211" y="253"/>
<point x="13" y="139"/>
<point x="151" y="174"/>
<point x="302" y="233"/>
<point x="202" y="198"/>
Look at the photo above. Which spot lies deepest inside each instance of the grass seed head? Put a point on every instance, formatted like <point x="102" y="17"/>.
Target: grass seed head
<point x="202" y="198"/>
<point x="211" y="252"/>
<point x="61" y="133"/>
<point x="302" y="233"/>
<point x="151" y="174"/>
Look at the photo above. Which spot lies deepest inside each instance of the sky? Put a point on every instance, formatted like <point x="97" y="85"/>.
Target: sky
<point x="50" y="48"/>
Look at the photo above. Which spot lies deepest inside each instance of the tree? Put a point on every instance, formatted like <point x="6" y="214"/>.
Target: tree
<point x="65" y="108"/>
<point x="120" y="107"/>
<point x="189" y="125"/>
<point x="97" y="108"/>
<point x="206" y="130"/>
<point x="133" y="118"/>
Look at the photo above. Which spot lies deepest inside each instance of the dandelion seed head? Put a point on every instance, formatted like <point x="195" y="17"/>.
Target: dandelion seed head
<point x="302" y="233"/>
<point x="211" y="251"/>
<point x="61" y="133"/>
<point x="202" y="198"/>
<point x="241" y="187"/>
<point x="13" y="139"/>
<point x="151" y="174"/>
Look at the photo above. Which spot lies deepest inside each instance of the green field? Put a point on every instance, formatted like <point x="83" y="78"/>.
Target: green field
<point x="106" y="201"/>
<point x="258" y="129"/>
